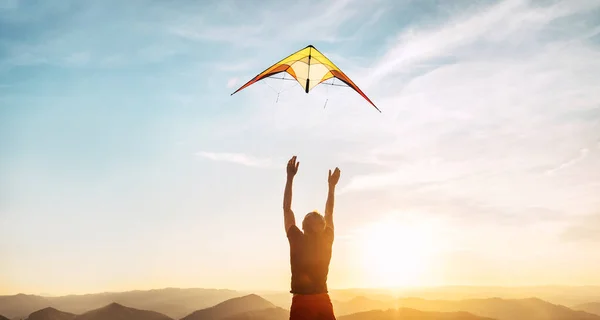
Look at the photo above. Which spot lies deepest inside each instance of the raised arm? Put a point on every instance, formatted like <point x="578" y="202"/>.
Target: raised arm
<point x="288" y="215"/>
<point x="332" y="181"/>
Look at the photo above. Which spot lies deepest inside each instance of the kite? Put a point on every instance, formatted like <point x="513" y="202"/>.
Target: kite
<point x="308" y="67"/>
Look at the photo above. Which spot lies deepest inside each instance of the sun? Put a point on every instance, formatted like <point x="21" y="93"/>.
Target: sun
<point x="396" y="254"/>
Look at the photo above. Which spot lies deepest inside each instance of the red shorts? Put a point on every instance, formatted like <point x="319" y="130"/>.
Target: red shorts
<point x="311" y="307"/>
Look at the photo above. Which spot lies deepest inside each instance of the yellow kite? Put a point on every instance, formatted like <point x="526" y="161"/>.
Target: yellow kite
<point x="309" y="67"/>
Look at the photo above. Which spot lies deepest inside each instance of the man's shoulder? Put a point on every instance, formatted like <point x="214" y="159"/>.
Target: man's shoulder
<point x="294" y="232"/>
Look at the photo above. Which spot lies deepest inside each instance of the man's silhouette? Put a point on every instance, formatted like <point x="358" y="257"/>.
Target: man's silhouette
<point x="310" y="252"/>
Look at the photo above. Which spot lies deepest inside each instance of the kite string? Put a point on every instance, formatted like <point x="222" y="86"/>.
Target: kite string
<point x="286" y="89"/>
<point x="327" y="93"/>
<point x="266" y="83"/>
<point x="280" y="89"/>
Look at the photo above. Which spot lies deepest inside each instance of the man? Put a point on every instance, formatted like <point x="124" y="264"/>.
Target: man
<point x="310" y="252"/>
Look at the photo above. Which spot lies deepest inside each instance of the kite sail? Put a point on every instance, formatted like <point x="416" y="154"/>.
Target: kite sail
<point x="309" y="67"/>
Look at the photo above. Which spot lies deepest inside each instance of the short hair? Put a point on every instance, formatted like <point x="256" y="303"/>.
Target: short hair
<point x="312" y="214"/>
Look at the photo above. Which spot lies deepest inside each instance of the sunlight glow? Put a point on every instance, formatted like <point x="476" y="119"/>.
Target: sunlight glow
<point x="397" y="254"/>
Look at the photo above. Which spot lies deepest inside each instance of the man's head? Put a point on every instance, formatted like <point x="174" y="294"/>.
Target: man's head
<point x="313" y="223"/>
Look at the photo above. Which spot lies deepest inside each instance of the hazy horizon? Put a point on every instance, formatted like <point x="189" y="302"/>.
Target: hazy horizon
<point x="126" y="164"/>
<point x="357" y="291"/>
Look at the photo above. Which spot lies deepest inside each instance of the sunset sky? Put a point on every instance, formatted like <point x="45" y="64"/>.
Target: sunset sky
<point x="126" y="164"/>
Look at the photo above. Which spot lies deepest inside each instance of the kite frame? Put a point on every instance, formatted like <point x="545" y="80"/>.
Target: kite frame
<point x="336" y="73"/>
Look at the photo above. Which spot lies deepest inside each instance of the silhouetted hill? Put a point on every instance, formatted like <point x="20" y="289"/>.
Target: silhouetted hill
<point x="50" y="314"/>
<point x="592" y="307"/>
<point x="115" y="311"/>
<point x="3" y="317"/>
<point x="501" y="309"/>
<point x="410" y="314"/>
<point x="231" y="307"/>
<point x="21" y="305"/>
<point x="173" y="302"/>
<point x="359" y="304"/>
<point x="275" y="313"/>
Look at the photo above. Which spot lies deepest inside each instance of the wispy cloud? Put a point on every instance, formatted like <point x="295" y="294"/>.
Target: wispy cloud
<point x="472" y="108"/>
<point x="237" y="158"/>
<point x="584" y="229"/>
<point x="232" y="82"/>
<point x="214" y="33"/>
<point x="504" y="22"/>
<point x="271" y="26"/>
<point x="582" y="154"/>
<point x="478" y="101"/>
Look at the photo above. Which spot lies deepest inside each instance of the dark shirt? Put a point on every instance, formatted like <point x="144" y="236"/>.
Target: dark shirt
<point x="309" y="259"/>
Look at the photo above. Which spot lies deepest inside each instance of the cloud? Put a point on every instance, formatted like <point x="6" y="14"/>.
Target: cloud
<point x="237" y="158"/>
<point x="584" y="229"/>
<point x="499" y="23"/>
<point x="257" y="26"/>
<point x="78" y="58"/>
<point x="234" y="66"/>
<point x="228" y="34"/>
<point x="582" y="154"/>
<point x="9" y="4"/>
<point x="472" y="109"/>
<point x="231" y="82"/>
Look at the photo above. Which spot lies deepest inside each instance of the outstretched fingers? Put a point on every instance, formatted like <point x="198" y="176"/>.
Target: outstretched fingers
<point x="292" y="166"/>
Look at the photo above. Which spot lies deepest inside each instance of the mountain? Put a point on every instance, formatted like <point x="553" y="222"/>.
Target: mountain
<point x="275" y="313"/>
<point x="501" y="309"/>
<point x="359" y="304"/>
<point x="231" y="307"/>
<point x="564" y="295"/>
<point x="592" y="307"/>
<point x="173" y="302"/>
<point x="20" y="305"/>
<point x="3" y="317"/>
<point x="115" y="311"/>
<point x="410" y="314"/>
<point x="50" y="313"/>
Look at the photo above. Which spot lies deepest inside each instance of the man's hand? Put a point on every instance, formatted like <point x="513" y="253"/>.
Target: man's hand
<point x="332" y="180"/>
<point x="334" y="177"/>
<point x="288" y="214"/>
<point x="292" y="167"/>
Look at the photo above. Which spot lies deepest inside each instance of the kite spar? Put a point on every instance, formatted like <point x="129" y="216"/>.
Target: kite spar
<point x="309" y="67"/>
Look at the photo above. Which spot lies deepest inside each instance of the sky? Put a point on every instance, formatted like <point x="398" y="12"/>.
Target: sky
<point x="126" y="164"/>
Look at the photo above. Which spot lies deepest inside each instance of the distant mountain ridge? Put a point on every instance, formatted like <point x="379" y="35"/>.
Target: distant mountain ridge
<point x="501" y="309"/>
<point x="591" y="307"/>
<point x="213" y="304"/>
<point x="231" y="307"/>
<point x="276" y="313"/>
<point x="50" y="313"/>
<point x="173" y="302"/>
<point x="115" y="311"/>
<point x="411" y="314"/>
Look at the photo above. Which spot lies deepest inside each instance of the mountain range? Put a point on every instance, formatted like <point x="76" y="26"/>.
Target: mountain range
<point x="173" y="302"/>
<point x="410" y="314"/>
<point x="232" y="307"/>
<point x="50" y="313"/>
<point x="212" y="304"/>
<point x="592" y="307"/>
<point x="250" y="307"/>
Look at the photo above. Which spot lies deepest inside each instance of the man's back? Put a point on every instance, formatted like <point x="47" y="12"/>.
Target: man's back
<point x="310" y="255"/>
